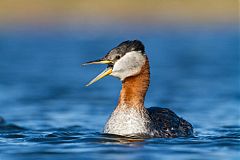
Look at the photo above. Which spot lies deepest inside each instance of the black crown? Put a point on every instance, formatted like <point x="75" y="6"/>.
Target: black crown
<point x="128" y="46"/>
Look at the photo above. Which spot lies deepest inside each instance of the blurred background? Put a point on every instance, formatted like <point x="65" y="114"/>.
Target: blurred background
<point x="193" y="48"/>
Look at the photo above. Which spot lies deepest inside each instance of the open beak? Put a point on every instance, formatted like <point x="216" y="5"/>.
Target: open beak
<point x="106" y="72"/>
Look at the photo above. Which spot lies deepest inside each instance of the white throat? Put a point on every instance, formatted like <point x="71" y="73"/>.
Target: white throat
<point x="129" y="65"/>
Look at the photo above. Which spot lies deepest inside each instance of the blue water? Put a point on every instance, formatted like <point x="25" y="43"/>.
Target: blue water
<point x="49" y="114"/>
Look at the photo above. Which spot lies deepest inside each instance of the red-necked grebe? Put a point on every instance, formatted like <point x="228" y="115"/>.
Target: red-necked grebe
<point x="128" y="62"/>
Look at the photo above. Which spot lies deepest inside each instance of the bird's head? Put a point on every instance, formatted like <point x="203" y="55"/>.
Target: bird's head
<point x="123" y="61"/>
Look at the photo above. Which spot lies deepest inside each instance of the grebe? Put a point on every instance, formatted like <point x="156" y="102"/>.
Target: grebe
<point x="128" y="62"/>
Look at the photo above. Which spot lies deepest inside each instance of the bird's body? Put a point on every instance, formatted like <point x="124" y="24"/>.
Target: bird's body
<point x="147" y="122"/>
<point x="130" y="64"/>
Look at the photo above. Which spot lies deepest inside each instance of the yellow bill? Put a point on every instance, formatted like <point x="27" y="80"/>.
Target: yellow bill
<point x="98" y="62"/>
<point x="106" y="72"/>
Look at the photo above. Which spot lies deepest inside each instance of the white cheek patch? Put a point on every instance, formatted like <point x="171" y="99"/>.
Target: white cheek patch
<point x="129" y="65"/>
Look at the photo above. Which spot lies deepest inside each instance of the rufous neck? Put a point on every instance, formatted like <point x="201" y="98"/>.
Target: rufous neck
<point x="134" y="88"/>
